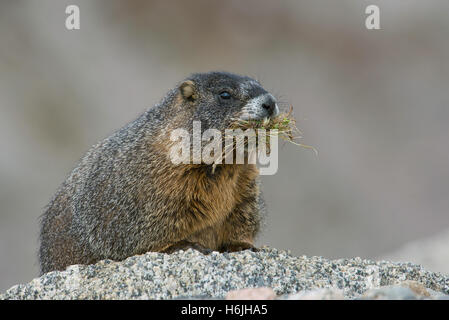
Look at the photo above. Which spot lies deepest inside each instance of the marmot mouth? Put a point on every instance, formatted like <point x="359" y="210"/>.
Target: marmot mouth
<point x="282" y="125"/>
<point x="282" y="122"/>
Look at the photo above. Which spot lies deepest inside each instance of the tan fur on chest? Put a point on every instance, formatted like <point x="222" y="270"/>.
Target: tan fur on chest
<point x="207" y="198"/>
<point x="200" y="200"/>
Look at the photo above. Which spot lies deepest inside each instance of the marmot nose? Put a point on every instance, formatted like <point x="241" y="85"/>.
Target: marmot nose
<point x="270" y="106"/>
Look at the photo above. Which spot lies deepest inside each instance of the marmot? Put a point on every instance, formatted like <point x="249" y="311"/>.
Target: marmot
<point x="126" y="197"/>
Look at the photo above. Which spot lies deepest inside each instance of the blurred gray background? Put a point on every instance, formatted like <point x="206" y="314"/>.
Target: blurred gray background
<point x="375" y="103"/>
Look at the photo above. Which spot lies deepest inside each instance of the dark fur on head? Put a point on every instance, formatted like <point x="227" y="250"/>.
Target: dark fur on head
<point x="125" y="197"/>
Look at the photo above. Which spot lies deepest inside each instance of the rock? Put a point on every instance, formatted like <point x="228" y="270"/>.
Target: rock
<point x="318" y="294"/>
<point x="390" y="293"/>
<point x="190" y="274"/>
<point x="416" y="287"/>
<point x="403" y="290"/>
<point x="251" y="294"/>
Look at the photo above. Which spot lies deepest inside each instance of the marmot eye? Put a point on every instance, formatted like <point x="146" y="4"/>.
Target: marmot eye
<point x="225" y="95"/>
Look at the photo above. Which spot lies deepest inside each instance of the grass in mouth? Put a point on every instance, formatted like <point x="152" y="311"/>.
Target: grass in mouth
<point x="284" y="123"/>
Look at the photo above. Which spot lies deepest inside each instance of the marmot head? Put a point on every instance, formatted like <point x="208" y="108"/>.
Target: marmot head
<point x="216" y="98"/>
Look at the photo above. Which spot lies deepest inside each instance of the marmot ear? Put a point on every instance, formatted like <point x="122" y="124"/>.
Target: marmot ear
<point x="188" y="90"/>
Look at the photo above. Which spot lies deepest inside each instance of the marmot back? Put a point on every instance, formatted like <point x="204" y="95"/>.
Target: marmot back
<point x="126" y="197"/>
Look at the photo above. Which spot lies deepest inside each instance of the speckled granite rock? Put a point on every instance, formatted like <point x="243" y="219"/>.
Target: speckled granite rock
<point x="189" y="273"/>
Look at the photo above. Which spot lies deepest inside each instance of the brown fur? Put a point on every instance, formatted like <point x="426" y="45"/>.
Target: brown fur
<point x="213" y="203"/>
<point x="126" y="197"/>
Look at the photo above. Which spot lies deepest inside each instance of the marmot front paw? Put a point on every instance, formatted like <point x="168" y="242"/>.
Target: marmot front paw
<point x="235" y="246"/>
<point x="184" y="245"/>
